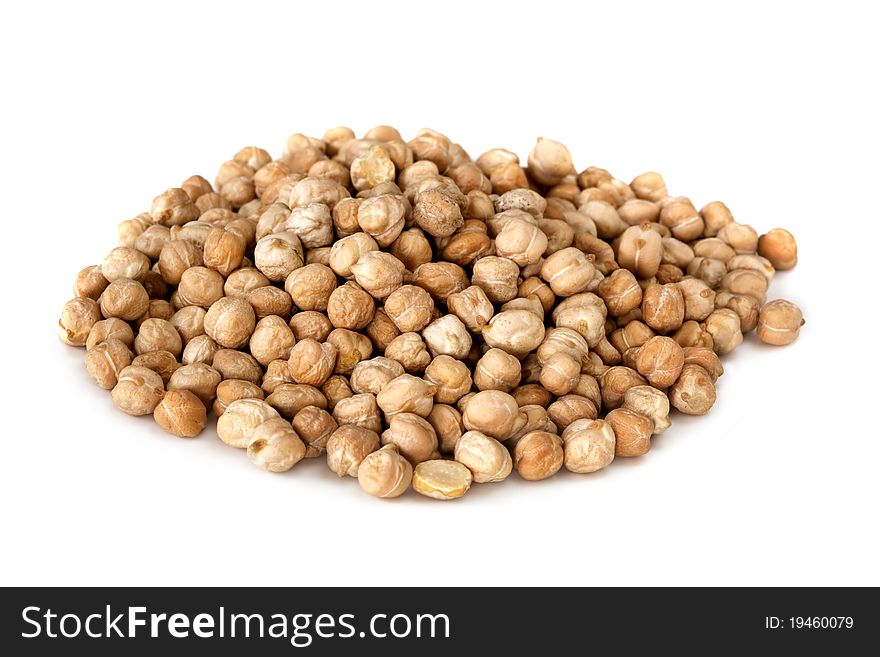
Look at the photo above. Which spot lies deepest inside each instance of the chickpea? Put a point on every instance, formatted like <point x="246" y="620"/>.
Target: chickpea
<point x="568" y="272"/>
<point x="138" y="390"/>
<point x="779" y="322"/>
<point x="314" y="426"/>
<point x="274" y="446"/>
<point x="350" y="307"/>
<point x="360" y="409"/>
<point x="663" y="307"/>
<point x="694" y="392"/>
<point x="486" y="458"/>
<point x="632" y="432"/>
<point x="497" y="370"/>
<point x="447" y="336"/>
<point x="385" y="473"/>
<point x="515" y="331"/>
<point x="348" y="446"/>
<point x="451" y="376"/>
<point x="78" y="318"/>
<point x="640" y="250"/>
<point x="570" y="408"/>
<point x="493" y="413"/>
<point x="538" y="455"/>
<point x="779" y="247"/>
<point x="410" y="308"/>
<point x="181" y="413"/>
<point x="230" y="322"/>
<point x="410" y="351"/>
<point x="413" y="435"/>
<point x="589" y="445"/>
<point x="407" y="394"/>
<point x="310" y="362"/>
<point x="310" y="286"/>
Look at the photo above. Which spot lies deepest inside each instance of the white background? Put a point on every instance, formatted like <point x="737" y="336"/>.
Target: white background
<point x="771" y="108"/>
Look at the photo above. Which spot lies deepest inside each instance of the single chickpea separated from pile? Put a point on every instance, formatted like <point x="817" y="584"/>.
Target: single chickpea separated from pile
<point x="423" y="319"/>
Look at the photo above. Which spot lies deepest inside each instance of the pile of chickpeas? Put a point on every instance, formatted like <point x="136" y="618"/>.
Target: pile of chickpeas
<point x="422" y="319"/>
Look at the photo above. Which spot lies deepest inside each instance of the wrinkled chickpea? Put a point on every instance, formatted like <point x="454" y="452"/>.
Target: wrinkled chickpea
<point x="694" y="392"/>
<point x="181" y="413"/>
<point x="413" y="435"/>
<point x="486" y="458"/>
<point x="385" y="473"/>
<point x="348" y="446"/>
<point x="274" y="446"/>
<point x="779" y="322"/>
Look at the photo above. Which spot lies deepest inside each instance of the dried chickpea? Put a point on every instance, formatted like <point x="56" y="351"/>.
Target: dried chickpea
<point x="568" y="272"/>
<point x="106" y="360"/>
<point x="274" y="446"/>
<point x="410" y="308"/>
<point x="632" y="432"/>
<point x="560" y="373"/>
<point x="382" y="217"/>
<point x="315" y="426"/>
<point x="497" y="277"/>
<point x="521" y="241"/>
<point x="640" y="250"/>
<point x="779" y="247"/>
<point x="589" y="445"/>
<point x="311" y="362"/>
<point x="230" y="390"/>
<point x="485" y="457"/>
<point x="200" y="379"/>
<point x="351" y="348"/>
<point x="725" y="327"/>
<point x="350" y="307"/>
<point x="378" y="273"/>
<point x="123" y="298"/>
<point x="107" y="329"/>
<point x="242" y="416"/>
<point x="621" y="292"/>
<point x="230" y="322"/>
<point x="238" y="365"/>
<point x="615" y="382"/>
<point x="310" y="286"/>
<point x="451" y="376"/>
<point x="360" y="409"/>
<point x="138" y="390"/>
<point x="649" y="186"/>
<point x="162" y="363"/>
<point x="410" y="351"/>
<point x="448" y="426"/>
<point x="660" y="361"/>
<point x="348" y="446"/>
<point x="271" y="340"/>
<point x="494" y="413"/>
<point x="651" y="403"/>
<point x="224" y="250"/>
<point x="181" y="413"/>
<point x="78" y="317"/>
<point x="779" y="322"/>
<point x="124" y="262"/>
<point x="407" y="394"/>
<point x="447" y="336"/>
<point x="442" y="279"/>
<point x="335" y="389"/>
<point x="385" y="473"/>
<point x="413" y="435"/>
<point x="663" y="307"/>
<point x="694" y="392"/>
<point x="517" y="332"/>
<point x="310" y="324"/>
<point x="742" y="237"/>
<point x="570" y="408"/>
<point x="538" y="455"/>
<point x="497" y="370"/>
